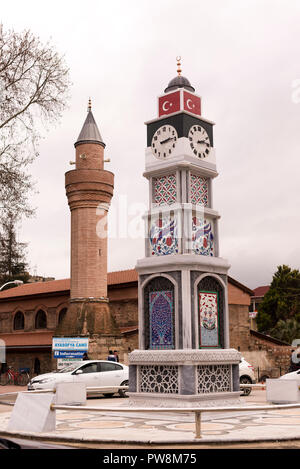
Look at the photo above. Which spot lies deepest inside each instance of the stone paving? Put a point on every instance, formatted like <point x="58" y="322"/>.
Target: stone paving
<point x="168" y="428"/>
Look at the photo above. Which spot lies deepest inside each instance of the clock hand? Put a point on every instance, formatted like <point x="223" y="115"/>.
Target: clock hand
<point x="167" y="140"/>
<point x="202" y="141"/>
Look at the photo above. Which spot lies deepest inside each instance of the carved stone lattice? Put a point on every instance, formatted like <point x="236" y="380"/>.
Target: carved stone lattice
<point x="159" y="379"/>
<point x="213" y="378"/>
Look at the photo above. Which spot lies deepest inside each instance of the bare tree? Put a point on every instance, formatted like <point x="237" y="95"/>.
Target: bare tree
<point x="34" y="82"/>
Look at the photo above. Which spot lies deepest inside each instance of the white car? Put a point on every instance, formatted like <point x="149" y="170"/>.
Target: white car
<point x="247" y="375"/>
<point x="94" y="373"/>
<point x="291" y="375"/>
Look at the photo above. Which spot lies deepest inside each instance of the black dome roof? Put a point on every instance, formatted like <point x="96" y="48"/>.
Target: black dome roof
<point x="179" y="82"/>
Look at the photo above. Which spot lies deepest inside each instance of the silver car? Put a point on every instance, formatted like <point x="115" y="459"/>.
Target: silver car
<point x="93" y="373"/>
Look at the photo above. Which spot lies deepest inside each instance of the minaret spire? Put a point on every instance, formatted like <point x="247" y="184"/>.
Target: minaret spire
<point x="90" y="132"/>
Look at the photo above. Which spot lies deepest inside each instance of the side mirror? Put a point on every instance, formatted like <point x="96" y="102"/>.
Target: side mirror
<point x="78" y="372"/>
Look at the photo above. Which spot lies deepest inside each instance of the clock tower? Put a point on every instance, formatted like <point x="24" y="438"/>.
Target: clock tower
<point x="184" y="356"/>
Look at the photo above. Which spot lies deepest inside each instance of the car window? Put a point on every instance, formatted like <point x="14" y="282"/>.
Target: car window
<point x="110" y="367"/>
<point x="69" y="368"/>
<point x="89" y="368"/>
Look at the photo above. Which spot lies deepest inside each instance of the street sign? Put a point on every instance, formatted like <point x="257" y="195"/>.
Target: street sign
<point x="69" y="354"/>
<point x="69" y="349"/>
<point x="70" y="343"/>
<point x="252" y="314"/>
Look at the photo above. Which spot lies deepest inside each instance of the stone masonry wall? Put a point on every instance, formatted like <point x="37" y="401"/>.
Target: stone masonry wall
<point x="267" y="358"/>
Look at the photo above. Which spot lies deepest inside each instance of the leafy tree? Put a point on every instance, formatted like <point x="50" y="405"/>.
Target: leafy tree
<point x="286" y="330"/>
<point x="281" y="304"/>
<point x="33" y="92"/>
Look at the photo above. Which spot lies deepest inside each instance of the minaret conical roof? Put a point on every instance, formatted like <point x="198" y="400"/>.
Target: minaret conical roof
<point x="90" y="132"/>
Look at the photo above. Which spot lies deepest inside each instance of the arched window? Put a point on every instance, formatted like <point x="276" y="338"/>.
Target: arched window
<point x="62" y="314"/>
<point x="41" y="320"/>
<point x="19" y="321"/>
<point x="159" y="307"/>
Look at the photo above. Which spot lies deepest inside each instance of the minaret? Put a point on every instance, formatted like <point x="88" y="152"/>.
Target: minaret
<point x="184" y="356"/>
<point x="89" y="189"/>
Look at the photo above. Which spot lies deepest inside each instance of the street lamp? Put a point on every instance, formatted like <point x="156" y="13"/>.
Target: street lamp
<point x="16" y="282"/>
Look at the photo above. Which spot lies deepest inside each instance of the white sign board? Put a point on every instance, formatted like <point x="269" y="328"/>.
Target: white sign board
<point x="252" y="314"/>
<point x="70" y="344"/>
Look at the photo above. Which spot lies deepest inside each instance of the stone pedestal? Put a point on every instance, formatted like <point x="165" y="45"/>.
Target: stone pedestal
<point x="184" y="378"/>
<point x="87" y="317"/>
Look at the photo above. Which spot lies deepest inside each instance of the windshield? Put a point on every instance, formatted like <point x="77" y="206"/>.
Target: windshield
<point x="69" y="368"/>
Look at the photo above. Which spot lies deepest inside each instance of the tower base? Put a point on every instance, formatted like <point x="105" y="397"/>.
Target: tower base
<point x="86" y="317"/>
<point x="184" y="378"/>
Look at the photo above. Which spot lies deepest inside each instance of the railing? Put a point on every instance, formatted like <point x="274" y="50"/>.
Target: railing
<point x="198" y="411"/>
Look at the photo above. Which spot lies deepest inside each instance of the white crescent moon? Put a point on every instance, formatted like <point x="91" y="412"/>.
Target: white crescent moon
<point x="163" y="106"/>
<point x="188" y="104"/>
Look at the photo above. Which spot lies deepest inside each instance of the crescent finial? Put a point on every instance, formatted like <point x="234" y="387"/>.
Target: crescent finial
<point x="178" y="58"/>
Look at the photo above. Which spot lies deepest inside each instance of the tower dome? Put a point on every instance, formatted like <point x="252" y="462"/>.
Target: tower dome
<point x="179" y="82"/>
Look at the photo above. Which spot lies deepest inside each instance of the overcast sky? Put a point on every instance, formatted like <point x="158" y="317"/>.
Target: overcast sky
<point x="242" y="57"/>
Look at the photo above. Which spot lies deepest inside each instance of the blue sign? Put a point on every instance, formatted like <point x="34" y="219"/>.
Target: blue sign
<point x="69" y="354"/>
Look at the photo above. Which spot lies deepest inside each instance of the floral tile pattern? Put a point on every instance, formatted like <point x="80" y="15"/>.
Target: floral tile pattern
<point x="161" y="309"/>
<point x="165" y="190"/>
<point x="202" y="236"/>
<point x="199" y="190"/>
<point x="208" y="315"/>
<point x="163" y="236"/>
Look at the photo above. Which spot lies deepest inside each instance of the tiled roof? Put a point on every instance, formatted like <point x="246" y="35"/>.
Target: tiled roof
<point x="240" y="285"/>
<point x="261" y="291"/>
<point x="113" y="278"/>
<point x="122" y="276"/>
<point x="36" y="288"/>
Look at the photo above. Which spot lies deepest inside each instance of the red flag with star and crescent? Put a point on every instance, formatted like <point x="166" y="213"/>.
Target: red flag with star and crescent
<point x="191" y="103"/>
<point x="169" y="103"/>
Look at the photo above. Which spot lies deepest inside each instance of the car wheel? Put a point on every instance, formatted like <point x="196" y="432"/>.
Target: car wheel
<point x="263" y="379"/>
<point x="123" y="392"/>
<point x="245" y="380"/>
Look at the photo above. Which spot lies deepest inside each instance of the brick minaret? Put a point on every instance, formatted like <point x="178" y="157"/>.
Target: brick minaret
<point x="89" y="188"/>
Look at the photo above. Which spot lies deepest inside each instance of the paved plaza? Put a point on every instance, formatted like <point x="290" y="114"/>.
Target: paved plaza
<point x="126" y="430"/>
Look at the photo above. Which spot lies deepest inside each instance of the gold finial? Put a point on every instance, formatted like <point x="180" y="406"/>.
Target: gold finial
<point x="89" y="105"/>
<point x="178" y="58"/>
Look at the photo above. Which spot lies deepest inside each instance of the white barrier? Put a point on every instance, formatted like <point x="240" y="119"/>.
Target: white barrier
<point x="283" y="391"/>
<point x="32" y="413"/>
<point x="70" y="394"/>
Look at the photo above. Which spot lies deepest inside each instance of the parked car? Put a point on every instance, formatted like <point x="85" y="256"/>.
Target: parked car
<point x="94" y="373"/>
<point x="291" y="375"/>
<point x="247" y="375"/>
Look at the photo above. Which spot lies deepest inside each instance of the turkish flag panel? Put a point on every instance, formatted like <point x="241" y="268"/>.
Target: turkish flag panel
<point x="169" y="103"/>
<point x="192" y="103"/>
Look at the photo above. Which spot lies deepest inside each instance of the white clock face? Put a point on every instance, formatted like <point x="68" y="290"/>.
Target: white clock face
<point x="199" y="141"/>
<point x="164" y="141"/>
